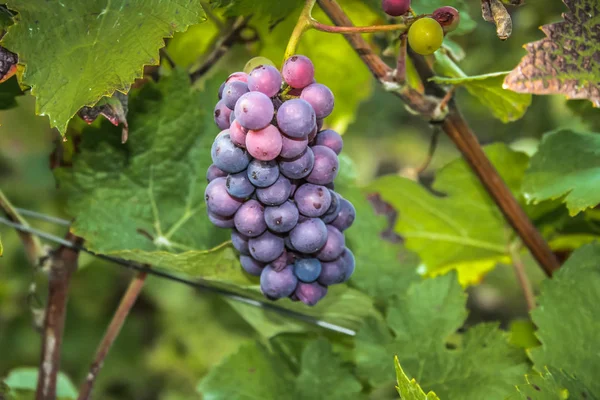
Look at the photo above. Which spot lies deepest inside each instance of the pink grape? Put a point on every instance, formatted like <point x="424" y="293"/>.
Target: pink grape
<point x="265" y="79"/>
<point x="237" y="76"/>
<point x="237" y="134"/>
<point x="264" y="144"/>
<point x="298" y="71"/>
<point x="310" y="293"/>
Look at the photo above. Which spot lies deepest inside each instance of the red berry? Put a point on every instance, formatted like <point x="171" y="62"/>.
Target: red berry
<point x="448" y="17"/>
<point x="395" y="8"/>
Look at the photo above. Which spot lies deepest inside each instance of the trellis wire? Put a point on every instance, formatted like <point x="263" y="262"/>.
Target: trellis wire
<point x="201" y="285"/>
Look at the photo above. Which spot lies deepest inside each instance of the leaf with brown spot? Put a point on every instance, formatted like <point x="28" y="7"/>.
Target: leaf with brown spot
<point x="567" y="60"/>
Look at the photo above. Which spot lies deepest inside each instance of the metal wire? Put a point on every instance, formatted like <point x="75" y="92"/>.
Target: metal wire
<point x="201" y="285"/>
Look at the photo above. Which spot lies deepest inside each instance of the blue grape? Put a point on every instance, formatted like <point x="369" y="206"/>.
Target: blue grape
<point x="251" y="266"/>
<point x="214" y="172"/>
<point x="227" y="156"/>
<point x="312" y="200"/>
<point x="238" y="185"/>
<point x="250" y="219"/>
<point x="240" y="242"/>
<point x="222" y="115"/>
<point x="220" y="222"/>
<point x="334" y="208"/>
<point x="282" y="218"/>
<point x="296" y="118"/>
<point x="298" y="167"/>
<point x="320" y="98"/>
<point x="334" y="246"/>
<point x="266" y="247"/>
<point x="325" y="167"/>
<point x="277" y="285"/>
<point x="307" y="269"/>
<point x="218" y="201"/>
<point x="263" y="173"/>
<point x="309" y="236"/>
<point x="233" y="91"/>
<point x="275" y="194"/>
<point x="345" y="217"/>
<point x="331" y="139"/>
<point x="310" y="293"/>
<point x="265" y="79"/>
<point x="254" y="110"/>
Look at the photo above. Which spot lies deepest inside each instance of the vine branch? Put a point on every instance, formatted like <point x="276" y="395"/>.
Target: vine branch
<point x="458" y="130"/>
<point x="127" y="302"/>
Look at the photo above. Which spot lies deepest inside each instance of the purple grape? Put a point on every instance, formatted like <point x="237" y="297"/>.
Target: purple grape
<point x="222" y="115"/>
<point x="237" y="76"/>
<point x="320" y="98"/>
<point x="331" y="139"/>
<point x="231" y="118"/>
<point x="298" y="167"/>
<point x="312" y="200"/>
<point x="254" y="110"/>
<point x="265" y="79"/>
<point x="334" y="208"/>
<point x="238" y="185"/>
<point x="310" y="293"/>
<point x="309" y="236"/>
<point x="240" y="242"/>
<point x="218" y="201"/>
<point x="349" y="263"/>
<point x="250" y="219"/>
<point x="334" y="272"/>
<point x="214" y="172"/>
<point x="227" y="156"/>
<point x="288" y="245"/>
<point x="282" y="218"/>
<point x="345" y="217"/>
<point x="326" y="166"/>
<point x="237" y="134"/>
<point x="307" y="269"/>
<point x="220" y="222"/>
<point x="296" y="118"/>
<point x="291" y="147"/>
<point x="266" y="247"/>
<point x="298" y="71"/>
<point x="312" y="135"/>
<point x="221" y="90"/>
<point x="233" y="91"/>
<point x="320" y="123"/>
<point x="263" y="173"/>
<point x="264" y="144"/>
<point x="295" y="184"/>
<point x="275" y="194"/>
<point x="277" y="285"/>
<point x="281" y="262"/>
<point x="251" y="266"/>
<point x="302" y="218"/>
<point x="334" y="246"/>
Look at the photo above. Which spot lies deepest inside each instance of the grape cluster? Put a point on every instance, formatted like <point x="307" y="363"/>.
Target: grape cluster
<point x="272" y="177"/>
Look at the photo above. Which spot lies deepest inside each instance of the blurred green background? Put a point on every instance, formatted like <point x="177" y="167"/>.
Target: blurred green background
<point x="174" y="334"/>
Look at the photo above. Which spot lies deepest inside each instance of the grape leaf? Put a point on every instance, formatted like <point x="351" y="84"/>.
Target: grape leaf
<point x="259" y="373"/>
<point x="144" y="200"/>
<point x="504" y="104"/>
<point x="1" y="248"/>
<point x="409" y="389"/>
<point x="552" y="385"/>
<point x="25" y="380"/>
<point x="575" y="286"/>
<point x="565" y="61"/>
<point x="76" y="52"/>
<point x="274" y="10"/>
<point x="566" y="166"/>
<point x="467" y="24"/>
<point x="462" y="230"/>
<point x="418" y="328"/>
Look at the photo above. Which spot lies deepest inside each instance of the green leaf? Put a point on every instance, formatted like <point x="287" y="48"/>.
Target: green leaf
<point x="564" y="61"/>
<point x="567" y="165"/>
<point x="9" y="91"/>
<point x="25" y="379"/>
<point x="574" y="287"/>
<point x="73" y="51"/>
<point x="1" y="248"/>
<point x="418" y="331"/>
<point x="555" y="385"/>
<point x="144" y="200"/>
<point x="409" y="389"/>
<point x="462" y="230"/>
<point x="255" y="372"/>
<point x="274" y="10"/>
<point x="428" y="6"/>
<point x="504" y="104"/>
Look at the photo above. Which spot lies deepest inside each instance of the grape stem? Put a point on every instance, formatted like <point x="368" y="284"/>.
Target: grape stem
<point x="359" y="29"/>
<point x="303" y="24"/>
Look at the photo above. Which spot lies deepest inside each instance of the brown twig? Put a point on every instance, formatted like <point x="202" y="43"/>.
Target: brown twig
<point x="224" y="41"/>
<point x="458" y="130"/>
<point x="127" y="302"/>
<point x="431" y="151"/>
<point x="63" y="265"/>
<point x="358" y="29"/>
<point x="524" y="282"/>
<point x="401" y="60"/>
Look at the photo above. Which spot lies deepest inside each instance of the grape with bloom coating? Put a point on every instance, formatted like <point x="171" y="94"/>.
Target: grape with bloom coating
<point x="227" y="156"/>
<point x="425" y="36"/>
<point x="345" y="217"/>
<point x="334" y="246"/>
<point x="250" y="219"/>
<point x="220" y="222"/>
<point x="277" y="285"/>
<point x="298" y="167"/>
<point x="329" y="138"/>
<point x="237" y="134"/>
<point x="292" y="147"/>
<point x="251" y="266"/>
<point x="263" y="173"/>
<point x="264" y="144"/>
<point x="275" y="194"/>
<point x="320" y="98"/>
<point x="296" y="118"/>
<point x="240" y="242"/>
<point x="238" y="185"/>
<point x="298" y="71"/>
<point x="312" y="200"/>
<point x="214" y="172"/>
<point x="266" y="247"/>
<point x="254" y="110"/>
<point x="282" y="218"/>
<point x="395" y="8"/>
<point x="265" y="79"/>
<point x="222" y="115"/>
<point x="307" y="269"/>
<point x="233" y="91"/>
<point x="310" y="293"/>
<point x="309" y="236"/>
<point x="237" y="76"/>
<point x="218" y="200"/>
<point x="325" y="167"/>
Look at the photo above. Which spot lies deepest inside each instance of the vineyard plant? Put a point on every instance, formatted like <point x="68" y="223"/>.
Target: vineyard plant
<point x="299" y="199"/>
